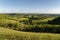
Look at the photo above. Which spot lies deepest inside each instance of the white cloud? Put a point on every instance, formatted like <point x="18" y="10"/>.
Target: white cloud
<point x="56" y="10"/>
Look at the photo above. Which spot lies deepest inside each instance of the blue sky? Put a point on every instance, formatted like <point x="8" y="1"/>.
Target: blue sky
<point x="30" y="6"/>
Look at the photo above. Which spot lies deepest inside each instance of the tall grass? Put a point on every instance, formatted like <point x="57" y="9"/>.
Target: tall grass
<point x="8" y="34"/>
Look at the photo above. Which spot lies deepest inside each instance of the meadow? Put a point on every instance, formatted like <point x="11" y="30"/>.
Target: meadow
<point x="29" y="27"/>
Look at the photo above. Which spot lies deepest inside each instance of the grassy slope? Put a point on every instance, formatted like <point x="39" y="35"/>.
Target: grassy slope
<point x="8" y="34"/>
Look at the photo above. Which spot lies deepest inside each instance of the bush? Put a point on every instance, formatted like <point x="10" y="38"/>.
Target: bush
<point x="40" y="28"/>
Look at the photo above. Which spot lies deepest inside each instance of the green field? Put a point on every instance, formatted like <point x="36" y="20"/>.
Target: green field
<point x="8" y="34"/>
<point x="29" y="27"/>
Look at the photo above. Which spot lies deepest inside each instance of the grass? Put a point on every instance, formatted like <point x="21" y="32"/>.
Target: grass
<point x="9" y="34"/>
<point x="10" y="22"/>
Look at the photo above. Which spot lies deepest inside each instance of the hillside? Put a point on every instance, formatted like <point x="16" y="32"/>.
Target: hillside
<point x="29" y="27"/>
<point x="9" y="34"/>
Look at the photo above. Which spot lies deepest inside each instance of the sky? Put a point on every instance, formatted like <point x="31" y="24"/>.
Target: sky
<point x="29" y="6"/>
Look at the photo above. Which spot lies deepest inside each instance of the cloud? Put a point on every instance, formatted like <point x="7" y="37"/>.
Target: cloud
<point x="56" y="10"/>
